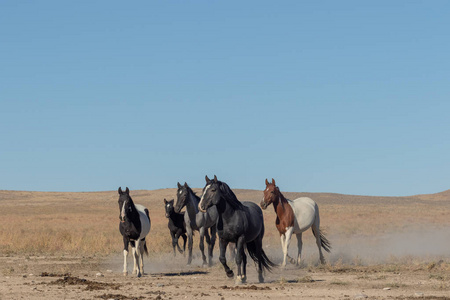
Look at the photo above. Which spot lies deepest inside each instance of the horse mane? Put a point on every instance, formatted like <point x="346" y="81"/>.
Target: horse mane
<point x="282" y="199"/>
<point x="230" y="197"/>
<point x="192" y="192"/>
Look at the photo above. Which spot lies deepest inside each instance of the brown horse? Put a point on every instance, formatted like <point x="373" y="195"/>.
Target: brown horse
<point x="294" y="217"/>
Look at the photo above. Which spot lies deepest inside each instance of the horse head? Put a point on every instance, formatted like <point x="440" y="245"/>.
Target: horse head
<point x="168" y="207"/>
<point x="182" y="197"/>
<point x="271" y="194"/>
<point x="213" y="191"/>
<point x="125" y="203"/>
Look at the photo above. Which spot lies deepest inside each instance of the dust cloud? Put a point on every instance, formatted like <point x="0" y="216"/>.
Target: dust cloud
<point x="419" y="245"/>
<point x="423" y="244"/>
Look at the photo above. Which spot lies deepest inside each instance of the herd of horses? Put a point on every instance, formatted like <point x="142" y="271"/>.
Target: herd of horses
<point x="239" y="226"/>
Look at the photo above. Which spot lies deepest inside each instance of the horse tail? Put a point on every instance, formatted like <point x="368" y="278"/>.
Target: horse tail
<point x="263" y="259"/>
<point x="325" y="243"/>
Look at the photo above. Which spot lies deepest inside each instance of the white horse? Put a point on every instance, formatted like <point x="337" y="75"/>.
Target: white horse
<point x="294" y="217"/>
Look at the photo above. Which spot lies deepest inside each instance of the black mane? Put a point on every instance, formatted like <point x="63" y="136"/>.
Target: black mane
<point x="230" y="197"/>
<point x="191" y="191"/>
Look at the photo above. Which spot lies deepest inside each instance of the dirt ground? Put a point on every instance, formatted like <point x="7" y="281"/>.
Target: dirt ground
<point x="51" y="247"/>
<point x="169" y="278"/>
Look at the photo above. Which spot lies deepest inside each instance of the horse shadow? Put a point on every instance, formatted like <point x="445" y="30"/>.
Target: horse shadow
<point x="188" y="273"/>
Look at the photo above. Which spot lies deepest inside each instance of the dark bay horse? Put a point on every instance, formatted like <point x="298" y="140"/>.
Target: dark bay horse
<point x="294" y="217"/>
<point x="176" y="225"/>
<point x="134" y="227"/>
<point x="239" y="222"/>
<point x="197" y="220"/>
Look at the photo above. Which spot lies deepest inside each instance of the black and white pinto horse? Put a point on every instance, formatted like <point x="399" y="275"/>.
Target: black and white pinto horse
<point x="134" y="227"/>
<point x="176" y="225"/>
<point x="239" y="222"/>
<point x="197" y="220"/>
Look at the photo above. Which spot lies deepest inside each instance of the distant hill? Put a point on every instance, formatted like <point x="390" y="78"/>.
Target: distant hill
<point x="242" y="194"/>
<point x="442" y="196"/>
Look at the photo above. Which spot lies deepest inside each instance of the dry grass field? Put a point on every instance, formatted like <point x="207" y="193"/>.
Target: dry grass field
<point x="53" y="245"/>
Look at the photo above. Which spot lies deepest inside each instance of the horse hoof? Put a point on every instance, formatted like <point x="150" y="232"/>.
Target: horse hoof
<point x="260" y="278"/>
<point x="125" y="273"/>
<point x="230" y="274"/>
<point x="240" y="280"/>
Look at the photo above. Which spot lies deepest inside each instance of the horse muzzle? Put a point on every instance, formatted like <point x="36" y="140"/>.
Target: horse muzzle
<point x="263" y="204"/>
<point x="200" y="207"/>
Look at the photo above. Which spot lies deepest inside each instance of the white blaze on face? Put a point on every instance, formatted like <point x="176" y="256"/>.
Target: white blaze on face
<point x="123" y="210"/>
<point x="204" y="193"/>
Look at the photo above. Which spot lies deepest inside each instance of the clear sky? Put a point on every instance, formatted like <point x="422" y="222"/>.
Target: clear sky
<point x="324" y="96"/>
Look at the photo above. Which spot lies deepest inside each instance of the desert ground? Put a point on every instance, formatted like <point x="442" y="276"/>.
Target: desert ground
<point x="67" y="246"/>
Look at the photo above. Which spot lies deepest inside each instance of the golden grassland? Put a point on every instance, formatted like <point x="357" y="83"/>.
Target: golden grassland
<point x="54" y="223"/>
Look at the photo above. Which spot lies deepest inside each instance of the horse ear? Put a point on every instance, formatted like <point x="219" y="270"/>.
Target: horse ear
<point x="127" y="191"/>
<point x="207" y="179"/>
<point x="273" y="181"/>
<point x="120" y="191"/>
<point x="215" y="178"/>
<point x="165" y="201"/>
<point x="179" y="185"/>
<point x="185" y="184"/>
<point x="267" y="183"/>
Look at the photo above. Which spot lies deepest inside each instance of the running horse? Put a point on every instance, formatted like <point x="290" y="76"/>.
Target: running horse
<point x="197" y="220"/>
<point x="176" y="225"/>
<point x="134" y="227"/>
<point x="294" y="217"/>
<point x="239" y="222"/>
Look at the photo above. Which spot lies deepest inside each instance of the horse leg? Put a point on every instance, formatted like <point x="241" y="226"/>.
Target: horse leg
<point x="223" y="259"/>
<point x="173" y="242"/>
<point x="133" y="254"/>
<point x="137" y="257"/>
<point x="177" y="237"/>
<point x="299" y="247"/>
<point x="202" y="244"/>
<point x="125" y="254"/>
<point x="240" y="278"/>
<point x="211" y="244"/>
<point x="141" y="250"/>
<point x="244" y="267"/>
<point x="288" y="234"/>
<point x="283" y="241"/>
<point x="184" y="243"/>
<point x="232" y="248"/>
<point x="190" y="242"/>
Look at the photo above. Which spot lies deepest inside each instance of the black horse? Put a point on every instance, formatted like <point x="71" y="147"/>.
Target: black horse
<point x="134" y="227"/>
<point x="176" y="225"/>
<point x="239" y="222"/>
<point x="197" y="220"/>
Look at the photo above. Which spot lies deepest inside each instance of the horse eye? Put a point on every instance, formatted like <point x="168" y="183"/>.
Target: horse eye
<point x="213" y="190"/>
<point x="272" y="192"/>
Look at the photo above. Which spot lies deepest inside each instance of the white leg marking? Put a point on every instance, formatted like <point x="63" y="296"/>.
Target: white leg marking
<point x="133" y="253"/>
<point x="125" y="254"/>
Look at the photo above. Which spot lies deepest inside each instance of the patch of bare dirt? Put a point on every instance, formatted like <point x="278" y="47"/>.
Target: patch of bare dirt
<point x="90" y="285"/>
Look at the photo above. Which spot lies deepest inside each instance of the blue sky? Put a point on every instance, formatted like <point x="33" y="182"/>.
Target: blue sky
<point x="324" y="96"/>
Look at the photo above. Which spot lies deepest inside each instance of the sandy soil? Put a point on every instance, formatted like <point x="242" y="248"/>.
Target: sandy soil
<point x="169" y="278"/>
